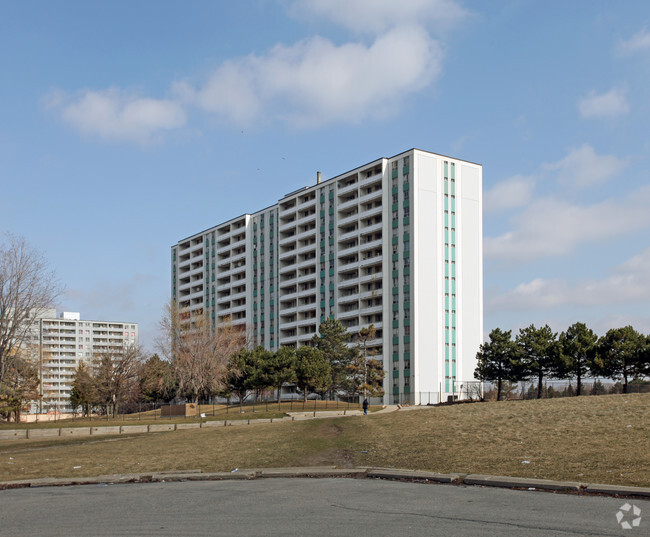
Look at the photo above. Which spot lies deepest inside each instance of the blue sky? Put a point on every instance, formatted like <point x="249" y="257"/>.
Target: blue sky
<point x="127" y="126"/>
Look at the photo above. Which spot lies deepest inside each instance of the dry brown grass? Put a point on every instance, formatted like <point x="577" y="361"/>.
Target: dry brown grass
<point x="585" y="439"/>
<point x="212" y="412"/>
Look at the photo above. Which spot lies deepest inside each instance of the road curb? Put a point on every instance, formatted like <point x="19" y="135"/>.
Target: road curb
<point x="417" y="476"/>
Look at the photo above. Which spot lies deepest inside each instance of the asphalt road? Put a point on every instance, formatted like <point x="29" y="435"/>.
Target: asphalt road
<point x="303" y="507"/>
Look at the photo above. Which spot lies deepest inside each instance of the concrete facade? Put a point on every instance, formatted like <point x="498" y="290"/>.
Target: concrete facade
<point x="396" y="243"/>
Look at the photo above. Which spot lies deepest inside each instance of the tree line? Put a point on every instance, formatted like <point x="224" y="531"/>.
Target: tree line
<point x="622" y="354"/>
<point x="204" y="363"/>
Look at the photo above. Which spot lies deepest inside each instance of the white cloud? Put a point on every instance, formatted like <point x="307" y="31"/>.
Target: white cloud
<point x="582" y="167"/>
<point x="509" y="194"/>
<point x="550" y="226"/>
<point x="629" y="283"/>
<point x="372" y="16"/>
<point x="606" y="105"/>
<point x="117" y="115"/>
<point x="639" y="41"/>
<point x="315" y="82"/>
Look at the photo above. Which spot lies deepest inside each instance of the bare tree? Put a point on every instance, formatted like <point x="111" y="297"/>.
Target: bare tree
<point x="20" y="386"/>
<point x="27" y="289"/>
<point x="199" y="352"/>
<point x="116" y="377"/>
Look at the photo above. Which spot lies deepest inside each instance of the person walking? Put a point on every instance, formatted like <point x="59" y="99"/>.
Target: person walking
<point x="365" y="406"/>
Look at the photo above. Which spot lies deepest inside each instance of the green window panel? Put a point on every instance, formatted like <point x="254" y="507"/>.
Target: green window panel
<point x="407" y="322"/>
<point x="407" y="271"/>
<point x="254" y="227"/>
<point x="395" y="240"/>
<point x="453" y="369"/>
<point x="262" y="331"/>
<point x="331" y="195"/>
<point x="331" y="241"/>
<point x="262" y="237"/>
<point x="331" y="211"/>
<point x="395" y="224"/>
<point x="407" y="356"/>
<point x="446" y="302"/>
<point x="271" y="288"/>
<point x="407" y="305"/>
<point x="446" y="170"/>
<point x="407" y="372"/>
<point x="407" y="254"/>
<point x="322" y="289"/>
<point x="395" y="291"/>
<point x="453" y="189"/>
<point x="322" y="305"/>
<point x="453" y="271"/>
<point x="322" y="213"/>
<point x="453" y="303"/>
<point x="407" y="237"/>
<point x="331" y="272"/>
<point x="261" y="264"/>
<point x="322" y="274"/>
<point x="394" y="207"/>
<point x="254" y="292"/>
<point x="262" y="291"/>
<point x="262" y="224"/>
<point x="331" y="302"/>
<point x="406" y="221"/>
<point x="395" y="323"/>
<point x="453" y="204"/>
<point x="446" y="187"/>
<point x="446" y="219"/>
<point x="322" y="245"/>
<point x="395" y="357"/>
<point x="453" y="220"/>
<point x="405" y="170"/>
<point x="446" y="203"/>
<point x="446" y="236"/>
<point x="453" y="287"/>
<point x="262" y="250"/>
<point x="407" y="288"/>
<point x="407" y="389"/>
<point x="331" y="286"/>
<point x="322" y="319"/>
<point x="395" y="190"/>
<point x="322" y="258"/>
<point x="447" y="337"/>
<point x="405" y="186"/>
<point x="405" y="203"/>
<point x="453" y="325"/>
<point x="446" y="319"/>
<point x="394" y="174"/>
<point x="331" y="225"/>
<point x="395" y="257"/>
<point x="453" y="171"/>
<point x="446" y="267"/>
<point x="322" y="198"/>
<point x="272" y="302"/>
<point x="395" y="390"/>
<point x="396" y="373"/>
<point x="271" y="316"/>
<point x="322" y="229"/>
<point x="255" y="318"/>
<point x="395" y="273"/>
<point x="395" y="307"/>
<point x="254" y="279"/>
<point x="395" y="340"/>
<point x="255" y="306"/>
<point x="331" y="255"/>
<point x="453" y="353"/>
<point x="407" y="339"/>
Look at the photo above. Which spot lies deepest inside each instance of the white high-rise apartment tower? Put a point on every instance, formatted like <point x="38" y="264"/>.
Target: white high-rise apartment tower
<point x="396" y="243"/>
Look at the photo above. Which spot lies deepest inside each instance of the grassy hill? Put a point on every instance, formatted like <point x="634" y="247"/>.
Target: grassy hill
<point x="603" y="439"/>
